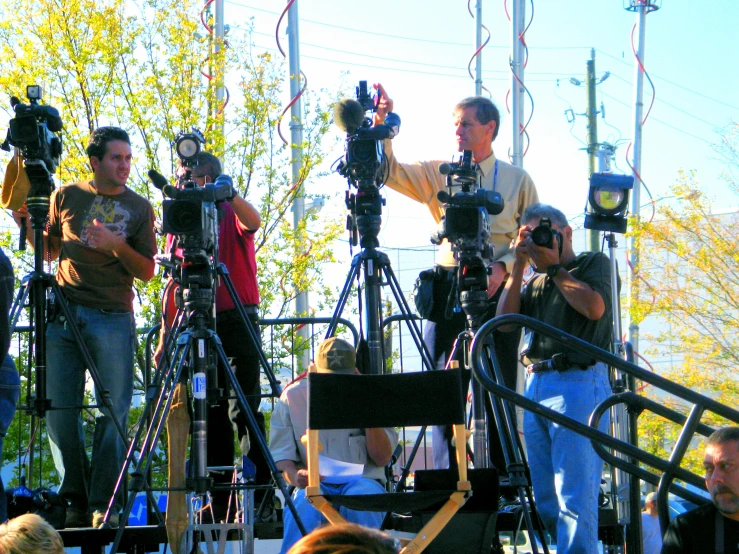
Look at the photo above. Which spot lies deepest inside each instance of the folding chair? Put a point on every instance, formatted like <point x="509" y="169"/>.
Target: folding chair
<point x="340" y="401"/>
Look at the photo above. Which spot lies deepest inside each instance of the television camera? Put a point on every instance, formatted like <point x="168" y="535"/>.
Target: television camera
<point x="364" y="164"/>
<point x="33" y="131"/>
<point x="190" y="214"/>
<point x="465" y="225"/>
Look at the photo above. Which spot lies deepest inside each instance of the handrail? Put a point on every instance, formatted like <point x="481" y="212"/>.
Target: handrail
<point x="483" y="354"/>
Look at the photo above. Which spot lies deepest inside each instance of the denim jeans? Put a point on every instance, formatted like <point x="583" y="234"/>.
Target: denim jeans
<point x="109" y="336"/>
<point x="565" y="470"/>
<point x="313" y="519"/>
<point x="10" y="389"/>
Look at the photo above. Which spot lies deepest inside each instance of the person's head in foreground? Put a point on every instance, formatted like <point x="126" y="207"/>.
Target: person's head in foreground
<point x="722" y="470"/>
<point x="347" y="538"/>
<point x="29" y="534"/>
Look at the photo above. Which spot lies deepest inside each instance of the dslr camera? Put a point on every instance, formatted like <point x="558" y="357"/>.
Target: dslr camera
<point x="33" y="131"/>
<point x="543" y="235"/>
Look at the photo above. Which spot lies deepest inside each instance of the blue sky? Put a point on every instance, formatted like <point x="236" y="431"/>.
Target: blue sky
<point x="419" y="50"/>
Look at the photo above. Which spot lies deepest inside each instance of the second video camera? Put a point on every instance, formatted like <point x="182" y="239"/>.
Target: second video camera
<point x="33" y="130"/>
<point x="465" y="222"/>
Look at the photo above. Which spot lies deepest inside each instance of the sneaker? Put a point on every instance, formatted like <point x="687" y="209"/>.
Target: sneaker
<point x="98" y="517"/>
<point x="76" y="518"/>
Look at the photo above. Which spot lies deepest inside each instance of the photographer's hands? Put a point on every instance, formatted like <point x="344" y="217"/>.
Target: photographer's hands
<point x="384" y="105"/>
<point x="541" y="256"/>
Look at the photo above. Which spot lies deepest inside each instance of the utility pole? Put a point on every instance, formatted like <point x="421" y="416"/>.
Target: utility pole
<point x="593" y="237"/>
<point x="518" y="15"/>
<point x="296" y="137"/>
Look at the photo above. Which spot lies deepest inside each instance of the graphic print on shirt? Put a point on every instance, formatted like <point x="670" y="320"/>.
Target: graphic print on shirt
<point x="108" y="212"/>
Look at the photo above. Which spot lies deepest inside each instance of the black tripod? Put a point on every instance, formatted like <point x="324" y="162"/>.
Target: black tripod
<point x="194" y="344"/>
<point x="34" y="289"/>
<point x="472" y="281"/>
<point x="366" y="210"/>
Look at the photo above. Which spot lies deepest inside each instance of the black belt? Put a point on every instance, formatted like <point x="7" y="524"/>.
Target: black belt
<point x="561" y="362"/>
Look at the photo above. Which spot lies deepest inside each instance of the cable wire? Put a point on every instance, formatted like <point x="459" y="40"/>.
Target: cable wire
<point x="302" y="76"/>
<point x="478" y="51"/>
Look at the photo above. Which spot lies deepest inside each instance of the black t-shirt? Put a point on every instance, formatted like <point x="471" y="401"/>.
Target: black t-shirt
<point x="694" y="532"/>
<point x="542" y="300"/>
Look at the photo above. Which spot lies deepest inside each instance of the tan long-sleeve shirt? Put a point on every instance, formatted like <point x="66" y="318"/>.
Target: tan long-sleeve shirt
<point x="421" y="181"/>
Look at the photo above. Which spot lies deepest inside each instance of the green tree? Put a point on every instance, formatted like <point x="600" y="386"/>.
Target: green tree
<point x="152" y="68"/>
<point x="689" y="255"/>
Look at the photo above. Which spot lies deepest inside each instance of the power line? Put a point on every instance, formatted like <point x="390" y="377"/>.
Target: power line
<point x="672" y="82"/>
<point x="500" y="47"/>
<point x="652" y="118"/>
<point x="406" y="70"/>
<point x="673" y="106"/>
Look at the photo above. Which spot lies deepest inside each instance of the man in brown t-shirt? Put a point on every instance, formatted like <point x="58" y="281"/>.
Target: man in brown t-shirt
<point x="103" y="235"/>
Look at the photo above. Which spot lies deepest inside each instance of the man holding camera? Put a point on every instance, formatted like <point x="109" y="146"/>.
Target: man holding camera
<point x="573" y="294"/>
<point x="239" y="220"/>
<point x="477" y="122"/>
<point x="103" y="234"/>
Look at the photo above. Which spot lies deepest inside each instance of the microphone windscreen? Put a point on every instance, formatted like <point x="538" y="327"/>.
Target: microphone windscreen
<point x="157" y="179"/>
<point x="443" y="196"/>
<point x="14" y="101"/>
<point x="348" y="115"/>
<point x="445" y="168"/>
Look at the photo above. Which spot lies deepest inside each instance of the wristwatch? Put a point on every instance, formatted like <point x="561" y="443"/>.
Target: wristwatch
<point x="553" y="269"/>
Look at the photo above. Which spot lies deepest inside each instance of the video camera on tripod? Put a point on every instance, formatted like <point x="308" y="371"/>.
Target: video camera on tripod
<point x="364" y="164"/>
<point x="190" y="213"/>
<point x="465" y="225"/>
<point x="32" y="131"/>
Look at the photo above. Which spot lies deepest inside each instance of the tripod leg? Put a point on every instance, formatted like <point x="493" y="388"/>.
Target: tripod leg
<point x="344" y="296"/>
<point x="170" y="377"/>
<point x="513" y="454"/>
<point x="250" y="330"/>
<point x="405" y="309"/>
<point x="261" y="441"/>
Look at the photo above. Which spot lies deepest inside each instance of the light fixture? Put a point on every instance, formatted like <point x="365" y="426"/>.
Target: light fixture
<point x="608" y="202"/>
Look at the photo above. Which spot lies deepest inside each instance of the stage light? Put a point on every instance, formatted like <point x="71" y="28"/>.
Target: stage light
<point x="608" y="202"/>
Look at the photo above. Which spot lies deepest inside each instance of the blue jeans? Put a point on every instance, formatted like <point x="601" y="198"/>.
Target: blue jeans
<point x="313" y="519"/>
<point x="109" y="336"/>
<point x="565" y="470"/>
<point x="10" y="390"/>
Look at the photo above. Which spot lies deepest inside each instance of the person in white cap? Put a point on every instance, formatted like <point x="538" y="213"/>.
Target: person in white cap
<point x="372" y="448"/>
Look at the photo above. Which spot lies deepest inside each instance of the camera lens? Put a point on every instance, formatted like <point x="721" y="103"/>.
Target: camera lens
<point x="542" y="236"/>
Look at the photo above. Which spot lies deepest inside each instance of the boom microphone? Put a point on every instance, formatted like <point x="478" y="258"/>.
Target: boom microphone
<point x="348" y="115"/>
<point x="160" y="182"/>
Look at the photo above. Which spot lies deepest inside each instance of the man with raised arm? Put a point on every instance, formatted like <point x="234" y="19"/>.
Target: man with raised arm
<point x="477" y="122"/>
